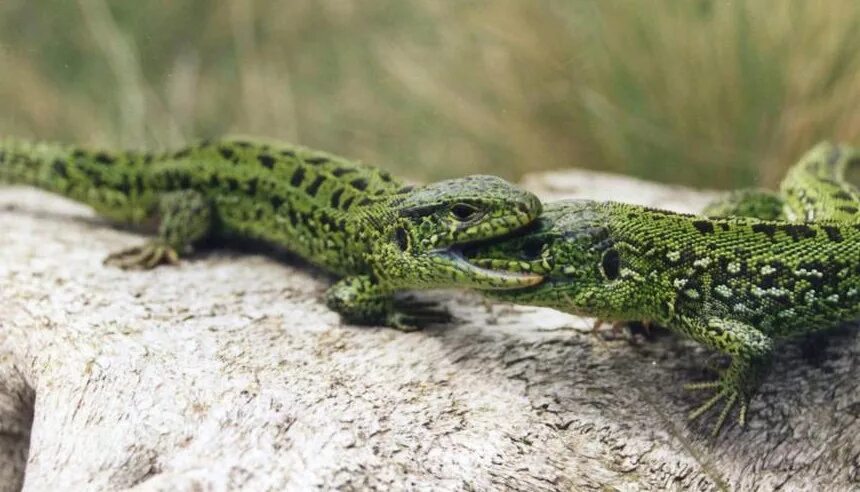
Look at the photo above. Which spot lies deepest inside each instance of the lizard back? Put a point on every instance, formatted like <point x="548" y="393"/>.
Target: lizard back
<point x="781" y="277"/>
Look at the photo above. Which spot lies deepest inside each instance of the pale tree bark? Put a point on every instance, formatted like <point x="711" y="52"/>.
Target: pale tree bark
<point x="229" y="373"/>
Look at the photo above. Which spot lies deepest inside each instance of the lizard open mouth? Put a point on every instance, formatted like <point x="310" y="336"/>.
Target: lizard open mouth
<point x="485" y="278"/>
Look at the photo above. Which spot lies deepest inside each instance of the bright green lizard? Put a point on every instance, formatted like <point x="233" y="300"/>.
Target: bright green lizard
<point x="353" y="220"/>
<point x="732" y="283"/>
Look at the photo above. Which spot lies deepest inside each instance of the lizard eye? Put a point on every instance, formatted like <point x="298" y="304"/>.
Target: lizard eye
<point x="464" y="211"/>
<point x="610" y="263"/>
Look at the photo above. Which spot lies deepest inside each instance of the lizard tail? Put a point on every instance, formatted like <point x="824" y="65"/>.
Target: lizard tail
<point x="23" y="162"/>
<point x="66" y="170"/>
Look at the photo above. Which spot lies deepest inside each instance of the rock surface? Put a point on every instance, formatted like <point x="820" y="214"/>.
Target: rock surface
<point x="228" y="373"/>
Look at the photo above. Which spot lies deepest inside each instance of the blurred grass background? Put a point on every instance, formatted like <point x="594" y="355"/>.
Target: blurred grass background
<point x="701" y="92"/>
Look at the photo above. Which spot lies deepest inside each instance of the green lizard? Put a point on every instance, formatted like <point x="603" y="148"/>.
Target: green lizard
<point x="353" y="220"/>
<point x="732" y="283"/>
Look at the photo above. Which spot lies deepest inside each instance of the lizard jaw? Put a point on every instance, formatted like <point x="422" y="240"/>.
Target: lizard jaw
<point x="485" y="278"/>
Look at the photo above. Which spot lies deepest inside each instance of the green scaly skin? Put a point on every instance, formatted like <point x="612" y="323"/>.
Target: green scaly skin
<point x="353" y="220"/>
<point x="734" y="284"/>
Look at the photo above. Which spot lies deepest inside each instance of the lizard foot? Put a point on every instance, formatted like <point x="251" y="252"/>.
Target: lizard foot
<point x="633" y="331"/>
<point x="616" y="327"/>
<point x="145" y="257"/>
<point x="411" y="315"/>
<point x="724" y="390"/>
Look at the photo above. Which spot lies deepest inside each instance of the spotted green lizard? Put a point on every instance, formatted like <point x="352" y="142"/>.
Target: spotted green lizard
<point x="356" y="221"/>
<point x="732" y="283"/>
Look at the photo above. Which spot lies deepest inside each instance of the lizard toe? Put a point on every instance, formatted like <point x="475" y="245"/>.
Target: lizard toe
<point x="144" y="257"/>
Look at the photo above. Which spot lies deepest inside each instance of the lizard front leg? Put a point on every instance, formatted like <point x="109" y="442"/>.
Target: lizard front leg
<point x="751" y="353"/>
<point x="361" y="300"/>
<point x="185" y="218"/>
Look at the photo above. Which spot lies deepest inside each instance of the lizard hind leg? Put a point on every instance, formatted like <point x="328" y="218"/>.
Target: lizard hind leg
<point x="185" y="218"/>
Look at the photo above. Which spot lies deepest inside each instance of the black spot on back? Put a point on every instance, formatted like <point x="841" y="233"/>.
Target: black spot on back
<point x="266" y="161"/>
<point x="103" y="158"/>
<point x="704" y="226"/>
<point x="798" y="231"/>
<point x="405" y="189"/>
<point x="348" y="203"/>
<point x="276" y="202"/>
<point x="335" y="198"/>
<point x="226" y="153"/>
<point x="833" y="233"/>
<point x="288" y="153"/>
<point x="767" y="229"/>
<point x="848" y="209"/>
<point x="94" y="176"/>
<point x="124" y="186"/>
<point x="232" y="184"/>
<point x="314" y="187"/>
<point x="60" y="169"/>
<point x="326" y="222"/>
<point x="182" y="154"/>
<point x="297" y="177"/>
<point x="316" y="161"/>
<point x="842" y="195"/>
<point x="360" y="184"/>
<point x="340" y="171"/>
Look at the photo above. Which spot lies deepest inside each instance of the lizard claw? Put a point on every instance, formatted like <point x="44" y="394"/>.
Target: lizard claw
<point x="723" y="391"/>
<point x="145" y="257"/>
<point x="412" y="315"/>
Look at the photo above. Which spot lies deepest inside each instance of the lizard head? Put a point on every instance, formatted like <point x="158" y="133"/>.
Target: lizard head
<point x="424" y="237"/>
<point x="571" y="246"/>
